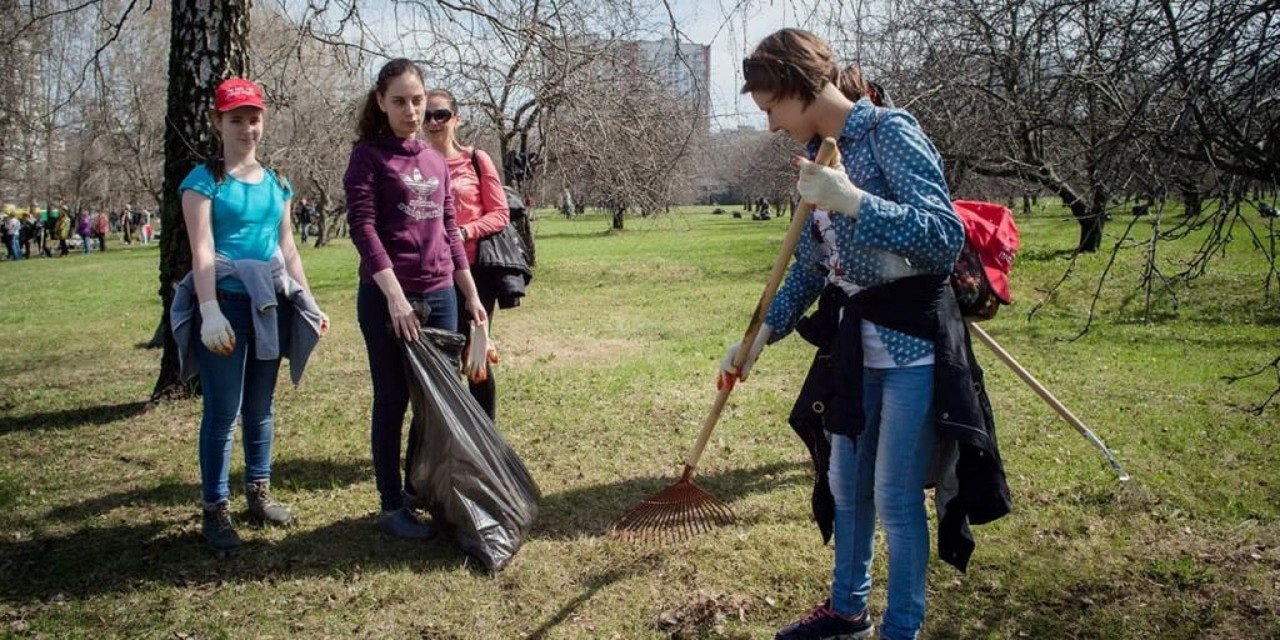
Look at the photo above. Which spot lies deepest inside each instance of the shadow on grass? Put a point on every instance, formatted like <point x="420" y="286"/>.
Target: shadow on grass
<point x="98" y="560"/>
<point x="109" y="559"/>
<point x="591" y="584"/>
<point x="591" y="510"/>
<point x="291" y="474"/>
<point x="69" y="418"/>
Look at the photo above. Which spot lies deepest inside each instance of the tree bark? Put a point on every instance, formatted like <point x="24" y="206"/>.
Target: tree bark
<point x="618" y="212"/>
<point x="208" y="42"/>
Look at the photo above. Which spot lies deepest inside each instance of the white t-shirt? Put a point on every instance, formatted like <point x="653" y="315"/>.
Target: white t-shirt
<point x="874" y="354"/>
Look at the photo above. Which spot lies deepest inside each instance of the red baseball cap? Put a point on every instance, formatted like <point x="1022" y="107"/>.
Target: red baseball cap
<point x="234" y="93"/>
<point x="992" y="233"/>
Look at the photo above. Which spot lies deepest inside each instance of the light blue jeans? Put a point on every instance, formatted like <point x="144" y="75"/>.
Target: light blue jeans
<point x="237" y="385"/>
<point x="882" y="472"/>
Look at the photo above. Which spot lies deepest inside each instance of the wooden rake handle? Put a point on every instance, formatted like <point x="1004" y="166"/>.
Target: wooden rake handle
<point x="1048" y="397"/>
<point x="828" y="155"/>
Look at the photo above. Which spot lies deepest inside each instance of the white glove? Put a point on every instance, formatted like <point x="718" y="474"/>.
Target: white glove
<point x="828" y="188"/>
<point x="215" y="331"/>
<point x="473" y="362"/>
<point x="728" y="372"/>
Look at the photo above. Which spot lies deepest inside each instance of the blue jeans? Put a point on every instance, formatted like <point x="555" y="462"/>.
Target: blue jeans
<point x="390" y="382"/>
<point x="238" y="384"/>
<point x="882" y="472"/>
<point x="14" y="253"/>
<point x="84" y="243"/>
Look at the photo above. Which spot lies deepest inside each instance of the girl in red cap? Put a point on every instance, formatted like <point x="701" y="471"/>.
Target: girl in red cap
<point x="254" y="306"/>
<point x="400" y="210"/>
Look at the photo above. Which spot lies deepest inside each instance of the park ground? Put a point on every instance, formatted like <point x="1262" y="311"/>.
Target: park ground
<point x="607" y="372"/>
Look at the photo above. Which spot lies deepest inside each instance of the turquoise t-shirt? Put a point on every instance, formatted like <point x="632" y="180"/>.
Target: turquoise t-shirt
<point x="246" y="216"/>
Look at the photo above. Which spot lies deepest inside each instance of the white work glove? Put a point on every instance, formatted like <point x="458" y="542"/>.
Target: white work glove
<point x="479" y="352"/>
<point x="728" y="374"/>
<point x="828" y="188"/>
<point x="215" y="331"/>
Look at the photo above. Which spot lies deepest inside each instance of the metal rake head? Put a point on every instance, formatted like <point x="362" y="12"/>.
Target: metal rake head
<point x="676" y="513"/>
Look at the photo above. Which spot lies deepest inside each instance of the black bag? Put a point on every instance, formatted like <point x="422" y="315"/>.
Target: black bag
<point x="502" y="259"/>
<point x="463" y="471"/>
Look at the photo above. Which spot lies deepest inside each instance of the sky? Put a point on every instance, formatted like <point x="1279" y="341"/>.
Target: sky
<point x="732" y="28"/>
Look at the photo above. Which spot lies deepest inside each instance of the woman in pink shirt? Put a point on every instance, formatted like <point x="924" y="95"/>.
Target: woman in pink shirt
<point x="480" y="205"/>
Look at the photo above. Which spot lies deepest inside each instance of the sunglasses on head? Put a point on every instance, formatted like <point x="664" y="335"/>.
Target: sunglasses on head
<point x="439" y="115"/>
<point x="754" y="67"/>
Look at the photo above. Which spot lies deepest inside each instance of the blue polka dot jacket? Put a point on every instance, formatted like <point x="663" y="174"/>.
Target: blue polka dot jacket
<point x="905" y="225"/>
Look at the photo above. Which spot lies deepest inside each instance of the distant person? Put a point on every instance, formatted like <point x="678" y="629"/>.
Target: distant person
<point x="31" y="230"/>
<point x="481" y="206"/>
<point x="254" y="303"/>
<point x="147" y="231"/>
<point x="84" y="229"/>
<point x="876" y="256"/>
<point x="12" y="236"/>
<point x="401" y="215"/>
<point x="62" y="230"/>
<point x="102" y="229"/>
<point x="126" y="224"/>
<point x="306" y="214"/>
<point x="566" y="203"/>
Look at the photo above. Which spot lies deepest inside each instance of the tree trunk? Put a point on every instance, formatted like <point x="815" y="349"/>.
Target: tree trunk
<point x="208" y="41"/>
<point x="618" y="212"/>
<point x="1091" y="228"/>
<point x="322" y="213"/>
<point x="1191" y="199"/>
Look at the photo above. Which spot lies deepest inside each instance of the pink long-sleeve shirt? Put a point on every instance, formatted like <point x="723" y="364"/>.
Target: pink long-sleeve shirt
<point x="480" y="202"/>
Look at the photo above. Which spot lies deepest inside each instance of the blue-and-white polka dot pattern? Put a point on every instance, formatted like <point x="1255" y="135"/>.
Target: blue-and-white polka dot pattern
<point x="905" y="225"/>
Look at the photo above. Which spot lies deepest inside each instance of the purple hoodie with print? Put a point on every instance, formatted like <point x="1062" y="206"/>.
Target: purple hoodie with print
<point x="400" y="213"/>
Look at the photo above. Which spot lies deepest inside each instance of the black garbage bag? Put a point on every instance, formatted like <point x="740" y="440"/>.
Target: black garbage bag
<point x="464" y="473"/>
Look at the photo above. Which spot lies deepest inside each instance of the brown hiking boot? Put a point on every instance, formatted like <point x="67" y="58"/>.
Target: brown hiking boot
<point x="263" y="507"/>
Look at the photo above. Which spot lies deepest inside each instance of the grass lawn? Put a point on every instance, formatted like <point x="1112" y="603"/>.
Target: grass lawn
<point x="607" y="372"/>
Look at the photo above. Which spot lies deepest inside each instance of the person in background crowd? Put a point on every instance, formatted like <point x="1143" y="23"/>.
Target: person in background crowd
<point x="101" y="229"/>
<point x="147" y="232"/>
<point x="12" y="235"/>
<point x="400" y="210"/>
<point x="84" y="229"/>
<point x="61" y="218"/>
<point x="126" y="224"/>
<point x="306" y="213"/>
<point x="481" y="205"/>
<point x="30" y="231"/>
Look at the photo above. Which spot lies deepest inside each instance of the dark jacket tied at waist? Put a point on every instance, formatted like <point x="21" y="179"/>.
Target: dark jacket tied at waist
<point x="967" y="474"/>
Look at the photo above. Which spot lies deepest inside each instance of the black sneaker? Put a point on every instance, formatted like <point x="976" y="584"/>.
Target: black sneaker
<point x="218" y="529"/>
<point x="823" y="623"/>
<point x="263" y="507"/>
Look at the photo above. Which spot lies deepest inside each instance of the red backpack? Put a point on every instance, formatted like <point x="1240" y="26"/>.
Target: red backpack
<point x="980" y="277"/>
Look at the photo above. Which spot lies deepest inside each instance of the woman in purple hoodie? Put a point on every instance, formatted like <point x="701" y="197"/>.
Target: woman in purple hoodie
<point x="401" y="216"/>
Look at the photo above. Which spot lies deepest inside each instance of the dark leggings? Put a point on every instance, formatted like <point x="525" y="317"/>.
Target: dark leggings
<point x="485" y="393"/>
<point x="390" y="384"/>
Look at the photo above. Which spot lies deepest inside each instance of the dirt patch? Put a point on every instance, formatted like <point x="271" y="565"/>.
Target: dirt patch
<point x="702" y="613"/>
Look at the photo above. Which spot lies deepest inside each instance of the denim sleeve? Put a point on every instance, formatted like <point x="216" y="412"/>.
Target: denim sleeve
<point x="918" y="223"/>
<point x="800" y="289"/>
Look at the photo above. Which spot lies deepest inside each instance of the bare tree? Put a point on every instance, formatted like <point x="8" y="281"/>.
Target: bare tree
<point x="207" y="42"/>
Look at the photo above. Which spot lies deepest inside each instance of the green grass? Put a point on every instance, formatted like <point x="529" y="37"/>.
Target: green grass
<point x="607" y="372"/>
